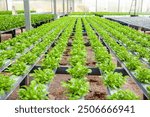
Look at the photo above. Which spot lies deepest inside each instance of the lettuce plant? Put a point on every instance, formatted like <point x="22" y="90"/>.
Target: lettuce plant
<point x="28" y="58"/>
<point x="143" y="75"/>
<point x="6" y="83"/>
<point x="19" y="68"/>
<point x="43" y="76"/>
<point x="78" y="71"/>
<point x="123" y="95"/>
<point x="76" y="88"/>
<point x="114" y="80"/>
<point x="33" y="92"/>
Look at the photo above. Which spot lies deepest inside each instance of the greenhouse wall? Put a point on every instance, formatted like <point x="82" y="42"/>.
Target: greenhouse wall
<point x="80" y="5"/>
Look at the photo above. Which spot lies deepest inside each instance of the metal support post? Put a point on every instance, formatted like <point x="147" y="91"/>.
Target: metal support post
<point x="55" y="11"/>
<point x="27" y="14"/>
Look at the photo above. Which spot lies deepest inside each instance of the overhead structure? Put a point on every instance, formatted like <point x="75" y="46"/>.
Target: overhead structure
<point x="51" y="6"/>
<point x="133" y="8"/>
<point x="73" y="8"/>
<point x="96" y="6"/>
<point x="6" y="4"/>
<point x="63" y="6"/>
<point x="67" y="6"/>
<point x="27" y="14"/>
<point x="118" y="5"/>
<point x="141" y="6"/>
<point x="55" y="11"/>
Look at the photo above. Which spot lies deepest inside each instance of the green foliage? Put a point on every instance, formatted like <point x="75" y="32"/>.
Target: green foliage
<point x="76" y="88"/>
<point x="43" y="76"/>
<point x="148" y="89"/>
<point x="107" y="66"/>
<point x="19" y="48"/>
<point x="8" y="22"/>
<point x="78" y="71"/>
<point x="18" y="68"/>
<point x="50" y="62"/>
<point x="28" y="58"/>
<point x="1" y="61"/>
<point x="114" y="80"/>
<point x="8" y="54"/>
<point x="33" y="92"/>
<point x="143" y="75"/>
<point x="123" y="95"/>
<point x="5" y="84"/>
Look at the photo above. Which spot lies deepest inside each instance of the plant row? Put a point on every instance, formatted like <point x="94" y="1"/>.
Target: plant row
<point x="112" y="79"/>
<point x="10" y="12"/>
<point x="11" y="49"/>
<point x="42" y="77"/>
<point x="78" y="86"/>
<point x="141" y="72"/>
<point x="24" y="64"/>
<point x="135" y="47"/>
<point x="131" y="33"/>
<point x="8" y="22"/>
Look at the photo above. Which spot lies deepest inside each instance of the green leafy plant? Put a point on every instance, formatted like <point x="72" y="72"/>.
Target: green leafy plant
<point x="143" y="75"/>
<point x="18" y="68"/>
<point x="114" y="80"/>
<point x="28" y="58"/>
<point x="43" y="76"/>
<point x="8" y="54"/>
<point x="50" y="62"/>
<point x="133" y="64"/>
<point x="19" y="48"/>
<point x="78" y="71"/>
<point x="1" y="62"/>
<point x="123" y="95"/>
<point x="33" y="92"/>
<point x="6" y="84"/>
<point x="76" y="88"/>
<point x="148" y="89"/>
<point x="107" y="66"/>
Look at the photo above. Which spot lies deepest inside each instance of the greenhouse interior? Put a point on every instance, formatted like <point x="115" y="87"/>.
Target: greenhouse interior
<point x="74" y="49"/>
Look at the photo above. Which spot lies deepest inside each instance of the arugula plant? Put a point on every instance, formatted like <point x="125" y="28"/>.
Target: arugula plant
<point x="76" y="88"/>
<point x="43" y="76"/>
<point x="33" y="92"/>
<point x="6" y="84"/>
<point x="78" y="71"/>
<point x="123" y="95"/>
<point x="19" y="68"/>
<point x="114" y="80"/>
<point x="143" y="75"/>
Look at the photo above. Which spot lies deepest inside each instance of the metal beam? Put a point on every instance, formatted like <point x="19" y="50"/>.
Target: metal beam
<point x="6" y="5"/>
<point x="27" y="14"/>
<point x="67" y="6"/>
<point x="52" y="6"/>
<point x="55" y="11"/>
<point x="135" y="10"/>
<point x="141" y="5"/>
<point x="73" y="8"/>
<point x="118" y="5"/>
<point x="70" y="7"/>
<point x="96" y="6"/>
<point x="63" y="6"/>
